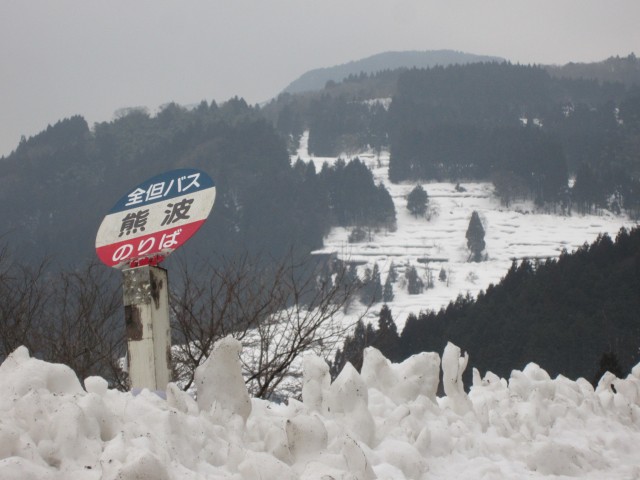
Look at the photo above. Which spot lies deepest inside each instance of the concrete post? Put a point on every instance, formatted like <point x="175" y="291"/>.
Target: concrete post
<point x="146" y="313"/>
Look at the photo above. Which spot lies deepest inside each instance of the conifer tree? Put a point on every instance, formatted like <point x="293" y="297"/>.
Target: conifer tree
<point x="387" y="338"/>
<point x="608" y="363"/>
<point x="387" y="290"/>
<point x="386" y="325"/>
<point x="354" y="345"/>
<point x="475" y="237"/>
<point x="372" y="289"/>
<point x="417" y="201"/>
<point x="376" y="284"/>
<point x="351" y="276"/>
<point x="393" y="274"/>
<point x="350" y="282"/>
<point x="415" y="285"/>
<point x="442" y="276"/>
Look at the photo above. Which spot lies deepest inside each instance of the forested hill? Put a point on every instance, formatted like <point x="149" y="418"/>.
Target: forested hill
<point x="614" y="69"/>
<point x="317" y="79"/>
<point x="563" y="314"/>
<point x="517" y="126"/>
<point x="568" y="315"/>
<point x="522" y="128"/>
<point x="58" y="185"/>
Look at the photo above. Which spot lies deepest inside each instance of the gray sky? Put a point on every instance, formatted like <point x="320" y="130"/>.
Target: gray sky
<point x="90" y="57"/>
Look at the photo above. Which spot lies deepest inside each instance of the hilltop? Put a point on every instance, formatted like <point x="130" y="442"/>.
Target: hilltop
<point x="317" y="79"/>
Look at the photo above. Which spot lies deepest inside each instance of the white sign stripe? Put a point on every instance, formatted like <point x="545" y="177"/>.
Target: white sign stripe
<point x="111" y="230"/>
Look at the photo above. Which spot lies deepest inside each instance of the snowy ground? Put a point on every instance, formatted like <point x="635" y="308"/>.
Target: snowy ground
<point x="384" y="423"/>
<point x="511" y="233"/>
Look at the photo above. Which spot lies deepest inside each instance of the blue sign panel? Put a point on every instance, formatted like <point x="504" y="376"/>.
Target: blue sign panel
<point x="165" y="186"/>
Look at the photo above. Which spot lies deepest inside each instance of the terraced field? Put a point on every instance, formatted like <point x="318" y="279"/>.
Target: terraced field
<point x="514" y="233"/>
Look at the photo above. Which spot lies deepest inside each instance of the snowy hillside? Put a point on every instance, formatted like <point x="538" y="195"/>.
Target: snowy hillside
<point x="430" y="245"/>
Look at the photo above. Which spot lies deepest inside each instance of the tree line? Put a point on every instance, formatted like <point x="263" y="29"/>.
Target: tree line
<point x="57" y="185"/>
<point x="569" y="315"/>
<point x="517" y="126"/>
<point x="522" y="128"/>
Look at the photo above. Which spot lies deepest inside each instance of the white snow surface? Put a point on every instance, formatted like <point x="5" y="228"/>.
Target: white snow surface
<point x="385" y="423"/>
<point x="514" y="233"/>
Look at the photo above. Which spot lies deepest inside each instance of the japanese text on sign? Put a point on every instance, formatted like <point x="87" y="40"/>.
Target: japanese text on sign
<point x="132" y="222"/>
<point x="160" y="190"/>
<point x="177" y="211"/>
<point x="146" y="245"/>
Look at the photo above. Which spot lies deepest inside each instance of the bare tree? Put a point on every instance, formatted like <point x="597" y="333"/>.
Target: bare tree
<point x="23" y="301"/>
<point x="278" y="310"/>
<point x="85" y="325"/>
<point x="209" y="304"/>
<point x="64" y="317"/>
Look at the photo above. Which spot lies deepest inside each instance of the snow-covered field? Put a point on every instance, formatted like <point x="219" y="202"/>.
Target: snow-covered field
<point x="384" y="423"/>
<point x="517" y="232"/>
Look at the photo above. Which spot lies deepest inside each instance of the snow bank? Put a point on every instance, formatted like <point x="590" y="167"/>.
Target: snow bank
<point x="386" y="422"/>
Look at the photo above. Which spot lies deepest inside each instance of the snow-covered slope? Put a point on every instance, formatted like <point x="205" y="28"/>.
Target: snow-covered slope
<point x="517" y="232"/>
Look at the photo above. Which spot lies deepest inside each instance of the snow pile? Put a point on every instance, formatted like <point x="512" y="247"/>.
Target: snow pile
<point x="386" y="422"/>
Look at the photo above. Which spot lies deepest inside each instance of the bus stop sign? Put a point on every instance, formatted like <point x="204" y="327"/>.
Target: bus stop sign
<point x="155" y="218"/>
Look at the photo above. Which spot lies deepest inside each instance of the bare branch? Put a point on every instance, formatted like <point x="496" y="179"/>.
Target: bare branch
<point x="279" y="310"/>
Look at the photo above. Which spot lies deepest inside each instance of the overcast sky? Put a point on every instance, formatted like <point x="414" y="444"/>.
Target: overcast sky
<point x="90" y="57"/>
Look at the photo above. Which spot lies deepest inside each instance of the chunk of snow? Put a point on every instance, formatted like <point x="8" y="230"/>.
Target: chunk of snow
<point x="453" y="366"/>
<point x="529" y="426"/>
<point x="220" y="386"/>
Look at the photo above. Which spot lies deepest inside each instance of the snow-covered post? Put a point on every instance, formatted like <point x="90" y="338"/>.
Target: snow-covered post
<point x="146" y="313"/>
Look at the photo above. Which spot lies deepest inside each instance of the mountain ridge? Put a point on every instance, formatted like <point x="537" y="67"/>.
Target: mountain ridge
<point x="317" y="78"/>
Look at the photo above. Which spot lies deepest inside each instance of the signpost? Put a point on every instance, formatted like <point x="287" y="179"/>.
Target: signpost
<point x="143" y="227"/>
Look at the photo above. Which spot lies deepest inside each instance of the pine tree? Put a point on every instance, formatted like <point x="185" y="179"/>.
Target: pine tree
<point x="429" y="277"/>
<point x="393" y="274"/>
<point x="376" y="284"/>
<point x="372" y="287"/>
<point x="442" y="276"/>
<point x="387" y="338"/>
<point x="351" y="276"/>
<point x="385" y="210"/>
<point x="353" y="348"/>
<point x="338" y="363"/>
<point x="350" y="283"/>
<point x="415" y="285"/>
<point x="417" y="201"/>
<point x="387" y="291"/>
<point x="475" y="237"/>
<point x="386" y="325"/>
<point x="608" y="363"/>
<point x="365" y="292"/>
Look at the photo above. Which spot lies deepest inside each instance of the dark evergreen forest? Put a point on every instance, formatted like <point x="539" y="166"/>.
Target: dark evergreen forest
<point x="57" y="186"/>
<point x="525" y="130"/>
<point x="518" y="126"/>
<point x="568" y="315"/>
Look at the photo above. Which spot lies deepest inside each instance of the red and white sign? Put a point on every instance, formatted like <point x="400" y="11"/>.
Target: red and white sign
<point x="155" y="218"/>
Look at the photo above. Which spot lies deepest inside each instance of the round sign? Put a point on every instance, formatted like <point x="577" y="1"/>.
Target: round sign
<point x="155" y="218"/>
